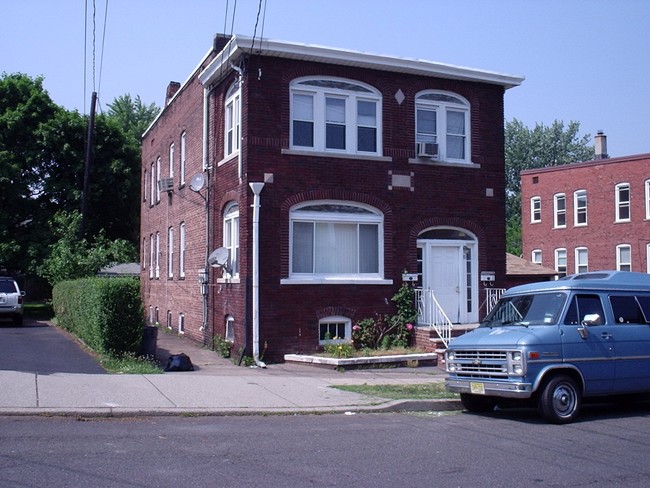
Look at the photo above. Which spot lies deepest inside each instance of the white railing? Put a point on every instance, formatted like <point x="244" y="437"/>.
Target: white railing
<point x="492" y="296"/>
<point x="431" y="314"/>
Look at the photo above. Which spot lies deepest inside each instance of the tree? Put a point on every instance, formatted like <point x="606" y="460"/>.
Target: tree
<point x="71" y="258"/>
<point x="133" y="116"/>
<point x="540" y="147"/>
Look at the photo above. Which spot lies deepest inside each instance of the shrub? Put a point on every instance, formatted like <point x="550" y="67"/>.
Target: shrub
<point x="105" y="313"/>
<point x="222" y="346"/>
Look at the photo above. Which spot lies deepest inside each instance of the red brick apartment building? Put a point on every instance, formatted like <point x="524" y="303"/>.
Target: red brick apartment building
<point x="588" y="216"/>
<point x="289" y="190"/>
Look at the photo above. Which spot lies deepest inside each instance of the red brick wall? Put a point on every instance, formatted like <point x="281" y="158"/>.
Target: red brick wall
<point x="289" y="314"/>
<point x="602" y="234"/>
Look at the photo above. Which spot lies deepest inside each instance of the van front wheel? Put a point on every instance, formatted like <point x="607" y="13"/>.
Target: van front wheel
<point x="559" y="400"/>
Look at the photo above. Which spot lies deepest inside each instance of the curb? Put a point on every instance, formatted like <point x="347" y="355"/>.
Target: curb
<point x="443" y="405"/>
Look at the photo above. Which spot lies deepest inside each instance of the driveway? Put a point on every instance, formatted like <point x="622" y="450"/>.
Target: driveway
<point x="39" y="347"/>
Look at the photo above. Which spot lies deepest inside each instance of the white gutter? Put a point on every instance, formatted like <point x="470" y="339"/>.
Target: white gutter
<point x="257" y="188"/>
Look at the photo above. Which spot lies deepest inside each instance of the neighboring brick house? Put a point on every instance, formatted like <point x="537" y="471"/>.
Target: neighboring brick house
<point x="588" y="216"/>
<point x="323" y="176"/>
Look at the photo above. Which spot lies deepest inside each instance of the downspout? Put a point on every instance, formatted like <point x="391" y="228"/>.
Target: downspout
<point x="206" y="167"/>
<point x="257" y="188"/>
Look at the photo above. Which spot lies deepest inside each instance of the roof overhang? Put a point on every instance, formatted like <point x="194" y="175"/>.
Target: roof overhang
<point x="239" y="45"/>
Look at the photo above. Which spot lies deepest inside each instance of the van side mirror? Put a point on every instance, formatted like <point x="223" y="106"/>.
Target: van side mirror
<point x="592" y="319"/>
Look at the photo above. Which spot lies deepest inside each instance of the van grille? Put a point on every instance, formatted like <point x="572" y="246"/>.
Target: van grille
<point x="481" y="364"/>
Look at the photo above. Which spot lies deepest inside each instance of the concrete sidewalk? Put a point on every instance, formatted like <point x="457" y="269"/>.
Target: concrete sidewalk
<point x="216" y="387"/>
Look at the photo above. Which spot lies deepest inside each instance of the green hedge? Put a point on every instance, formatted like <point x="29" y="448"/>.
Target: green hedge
<point x="106" y="313"/>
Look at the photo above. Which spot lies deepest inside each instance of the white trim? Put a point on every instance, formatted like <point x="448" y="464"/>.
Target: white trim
<point x="338" y="319"/>
<point x="576" y="195"/>
<point x="534" y="199"/>
<point x="619" y="262"/>
<point x="577" y="264"/>
<point x="623" y="204"/>
<point x="557" y="212"/>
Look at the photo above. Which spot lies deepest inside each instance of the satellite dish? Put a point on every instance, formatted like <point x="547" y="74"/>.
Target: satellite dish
<point x="197" y="182"/>
<point x="219" y="257"/>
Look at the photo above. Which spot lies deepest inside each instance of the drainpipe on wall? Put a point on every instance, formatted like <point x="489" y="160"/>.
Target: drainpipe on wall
<point x="257" y="188"/>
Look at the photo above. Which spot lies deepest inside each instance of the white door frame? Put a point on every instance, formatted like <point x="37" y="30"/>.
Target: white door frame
<point x="460" y="314"/>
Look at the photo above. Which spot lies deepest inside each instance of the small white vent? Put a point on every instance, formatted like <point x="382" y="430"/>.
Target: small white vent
<point x="427" y="150"/>
<point x="166" y="184"/>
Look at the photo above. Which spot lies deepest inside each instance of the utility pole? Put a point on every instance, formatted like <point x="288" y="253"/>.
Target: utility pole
<point x="88" y="167"/>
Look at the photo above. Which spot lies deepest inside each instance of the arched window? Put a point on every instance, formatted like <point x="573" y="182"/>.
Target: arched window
<point x="231" y="236"/>
<point x="335" y="115"/>
<point x="442" y="126"/>
<point x="336" y="239"/>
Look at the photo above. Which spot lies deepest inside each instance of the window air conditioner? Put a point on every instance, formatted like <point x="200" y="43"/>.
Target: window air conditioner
<point x="166" y="184"/>
<point x="427" y="150"/>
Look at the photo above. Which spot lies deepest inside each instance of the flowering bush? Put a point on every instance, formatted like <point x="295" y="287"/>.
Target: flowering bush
<point x="390" y="330"/>
<point x="339" y="349"/>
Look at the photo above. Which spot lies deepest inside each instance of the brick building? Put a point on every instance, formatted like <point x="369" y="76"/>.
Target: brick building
<point x="288" y="190"/>
<point x="588" y="216"/>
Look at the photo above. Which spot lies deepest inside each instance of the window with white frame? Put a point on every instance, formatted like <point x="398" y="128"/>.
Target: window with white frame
<point x="170" y="252"/>
<point x="334" y="329"/>
<point x="624" y="257"/>
<point x="335" y="115"/>
<point x="152" y="251"/>
<point x="181" y="168"/>
<point x="171" y="160"/>
<point x="231" y="236"/>
<point x="145" y="179"/>
<point x="232" y="120"/>
<point x="157" y="256"/>
<point x="582" y="260"/>
<point x="559" y="210"/>
<point x="181" y="257"/>
<point x="536" y="256"/>
<point x="158" y="175"/>
<point x="229" y="333"/>
<point x="647" y="258"/>
<point x="535" y="210"/>
<point x="336" y="239"/>
<point x="647" y="199"/>
<point x="169" y="319"/>
<point x="623" y="202"/>
<point x="143" y="253"/>
<point x="560" y="262"/>
<point x="181" y="323"/>
<point x="443" y="119"/>
<point x="152" y="178"/>
<point x="580" y="208"/>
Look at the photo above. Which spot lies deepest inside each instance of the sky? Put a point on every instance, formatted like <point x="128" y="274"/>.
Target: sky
<point x="583" y="60"/>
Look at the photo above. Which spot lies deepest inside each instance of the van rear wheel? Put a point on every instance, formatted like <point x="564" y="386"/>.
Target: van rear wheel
<point x="559" y="400"/>
<point x="477" y="403"/>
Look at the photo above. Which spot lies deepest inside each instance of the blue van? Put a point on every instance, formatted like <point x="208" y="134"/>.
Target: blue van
<point x="555" y="343"/>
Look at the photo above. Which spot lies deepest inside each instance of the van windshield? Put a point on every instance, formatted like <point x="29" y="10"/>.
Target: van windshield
<point x="533" y="309"/>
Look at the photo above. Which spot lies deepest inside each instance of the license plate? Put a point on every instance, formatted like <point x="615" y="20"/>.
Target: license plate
<point x="477" y="388"/>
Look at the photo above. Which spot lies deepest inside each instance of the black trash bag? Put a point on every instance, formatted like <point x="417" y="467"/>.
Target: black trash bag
<point x="179" y="362"/>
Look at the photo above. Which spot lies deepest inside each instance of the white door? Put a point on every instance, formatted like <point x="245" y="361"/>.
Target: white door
<point x="444" y="265"/>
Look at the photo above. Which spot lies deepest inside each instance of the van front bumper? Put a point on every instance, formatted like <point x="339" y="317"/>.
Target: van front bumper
<point x="504" y="389"/>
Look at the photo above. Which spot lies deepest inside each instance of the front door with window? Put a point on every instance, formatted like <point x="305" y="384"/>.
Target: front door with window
<point x="449" y="269"/>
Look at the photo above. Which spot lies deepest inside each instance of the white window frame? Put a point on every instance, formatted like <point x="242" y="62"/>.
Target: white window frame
<point x="338" y="322"/>
<point x="622" y="204"/>
<point x="443" y="103"/>
<point x="181" y="323"/>
<point x="581" y="260"/>
<point x="647" y="258"/>
<point x="158" y="175"/>
<point x="232" y="121"/>
<point x="152" y="178"/>
<point x="231" y="237"/>
<point x="351" y="93"/>
<point x="621" y="263"/>
<point x="170" y="252"/>
<point x="152" y="250"/>
<point x="182" y="248"/>
<point x="171" y="160"/>
<point x="143" y="253"/>
<point x="157" y="256"/>
<point x="536" y="256"/>
<point x="580" y="208"/>
<point x="557" y="211"/>
<point x="229" y="329"/>
<point x="647" y="199"/>
<point x="312" y="212"/>
<point x="561" y="254"/>
<point x="535" y="210"/>
<point x="183" y="155"/>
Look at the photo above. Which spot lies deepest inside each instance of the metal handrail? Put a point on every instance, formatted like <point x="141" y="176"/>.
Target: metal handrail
<point x="431" y="314"/>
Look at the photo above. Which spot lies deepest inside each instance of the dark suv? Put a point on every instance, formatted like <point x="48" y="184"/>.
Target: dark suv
<point x="11" y="300"/>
